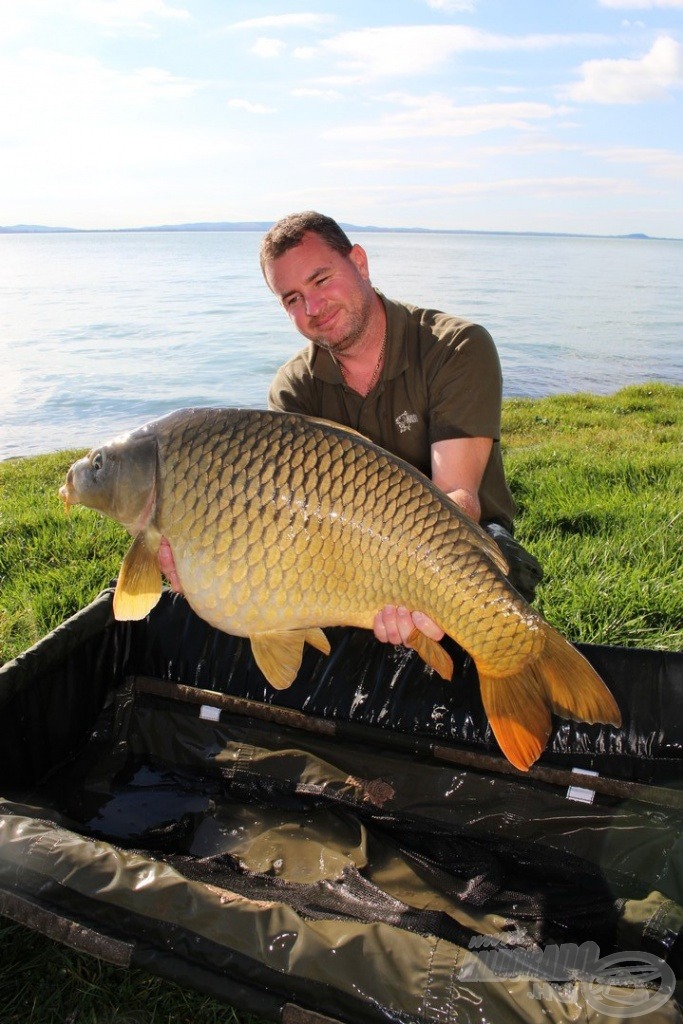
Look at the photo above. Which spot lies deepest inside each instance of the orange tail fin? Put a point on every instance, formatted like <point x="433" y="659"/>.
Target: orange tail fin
<point x="518" y="706"/>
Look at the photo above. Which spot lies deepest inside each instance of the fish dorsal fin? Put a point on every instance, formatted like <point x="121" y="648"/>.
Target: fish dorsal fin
<point x="432" y="653"/>
<point x="337" y="426"/>
<point x="139" y="584"/>
<point x="491" y="548"/>
<point x="278" y="654"/>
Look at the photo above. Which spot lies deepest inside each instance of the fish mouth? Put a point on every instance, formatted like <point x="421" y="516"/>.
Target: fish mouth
<point x="67" y="492"/>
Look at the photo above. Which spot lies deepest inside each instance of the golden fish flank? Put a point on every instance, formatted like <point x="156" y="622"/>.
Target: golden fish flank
<point x="281" y="525"/>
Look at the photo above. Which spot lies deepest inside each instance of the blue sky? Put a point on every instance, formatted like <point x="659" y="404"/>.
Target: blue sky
<point x="511" y="115"/>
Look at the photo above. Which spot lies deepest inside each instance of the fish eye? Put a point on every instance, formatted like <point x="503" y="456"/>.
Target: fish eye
<point x="97" y="461"/>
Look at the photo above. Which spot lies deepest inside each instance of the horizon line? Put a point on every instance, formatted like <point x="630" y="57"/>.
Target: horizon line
<point x="265" y="225"/>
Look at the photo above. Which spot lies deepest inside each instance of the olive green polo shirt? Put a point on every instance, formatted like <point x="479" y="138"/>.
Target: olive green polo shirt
<point x="441" y="379"/>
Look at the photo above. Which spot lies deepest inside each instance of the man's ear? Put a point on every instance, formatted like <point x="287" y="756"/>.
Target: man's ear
<point x="359" y="258"/>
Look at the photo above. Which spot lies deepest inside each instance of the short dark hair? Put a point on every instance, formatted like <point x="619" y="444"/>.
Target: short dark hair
<point x="289" y="232"/>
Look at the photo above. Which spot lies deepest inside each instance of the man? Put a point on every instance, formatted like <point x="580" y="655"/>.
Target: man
<point x="424" y="385"/>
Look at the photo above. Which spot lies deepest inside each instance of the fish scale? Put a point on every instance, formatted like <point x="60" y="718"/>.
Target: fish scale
<point x="280" y="525"/>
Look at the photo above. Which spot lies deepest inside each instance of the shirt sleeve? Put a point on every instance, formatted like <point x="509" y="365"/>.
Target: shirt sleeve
<point x="465" y="384"/>
<point x="293" y="390"/>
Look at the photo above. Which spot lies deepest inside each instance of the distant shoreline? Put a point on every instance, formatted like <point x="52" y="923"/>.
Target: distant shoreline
<point x="261" y="226"/>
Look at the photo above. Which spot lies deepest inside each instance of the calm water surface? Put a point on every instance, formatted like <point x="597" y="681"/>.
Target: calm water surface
<point x="100" y="332"/>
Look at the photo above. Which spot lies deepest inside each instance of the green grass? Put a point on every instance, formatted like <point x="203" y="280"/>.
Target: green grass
<point x="599" y="483"/>
<point x="43" y="982"/>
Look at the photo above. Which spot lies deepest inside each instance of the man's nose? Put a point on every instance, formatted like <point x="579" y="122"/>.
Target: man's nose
<point x="313" y="304"/>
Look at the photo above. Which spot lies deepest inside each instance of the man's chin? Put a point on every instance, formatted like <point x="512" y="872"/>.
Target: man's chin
<point x="334" y="345"/>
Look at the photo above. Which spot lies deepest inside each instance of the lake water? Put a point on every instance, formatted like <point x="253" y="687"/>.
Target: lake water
<point x="101" y="332"/>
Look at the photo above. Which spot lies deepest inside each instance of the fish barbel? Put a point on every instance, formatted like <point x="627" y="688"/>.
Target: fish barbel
<point x="281" y="524"/>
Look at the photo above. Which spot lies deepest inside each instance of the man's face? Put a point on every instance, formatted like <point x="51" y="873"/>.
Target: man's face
<point x="328" y="297"/>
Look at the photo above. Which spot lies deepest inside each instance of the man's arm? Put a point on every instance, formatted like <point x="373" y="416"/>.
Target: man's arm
<point x="458" y="467"/>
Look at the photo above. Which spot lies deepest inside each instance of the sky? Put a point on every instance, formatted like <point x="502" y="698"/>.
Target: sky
<point x="479" y="115"/>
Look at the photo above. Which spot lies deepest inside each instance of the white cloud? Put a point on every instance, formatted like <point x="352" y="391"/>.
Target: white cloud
<point x="453" y="6"/>
<point x="80" y="111"/>
<point x="280" y="21"/>
<point x="251" y="108"/>
<point x="425" y="163"/>
<point x="532" y="187"/>
<point x="45" y="85"/>
<point x="630" y="80"/>
<point x="415" y="49"/>
<point x="267" y="48"/>
<point x="112" y="13"/>
<point x="111" y="16"/>
<point x="13" y="23"/>
<point x="316" y="94"/>
<point x="436" y="115"/>
<point x="640" y="5"/>
<point x="663" y="163"/>
<point x="88" y="142"/>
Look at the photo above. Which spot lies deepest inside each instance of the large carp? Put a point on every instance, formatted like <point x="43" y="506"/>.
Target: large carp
<point x="280" y="525"/>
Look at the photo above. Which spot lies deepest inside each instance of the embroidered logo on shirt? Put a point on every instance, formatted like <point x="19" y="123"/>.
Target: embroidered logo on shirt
<point x="405" y="421"/>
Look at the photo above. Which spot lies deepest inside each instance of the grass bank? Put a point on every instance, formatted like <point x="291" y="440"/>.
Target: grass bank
<point x="599" y="483"/>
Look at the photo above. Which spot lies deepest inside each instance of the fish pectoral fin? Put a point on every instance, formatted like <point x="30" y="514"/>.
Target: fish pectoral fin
<point x="517" y="709"/>
<point x="278" y="654"/>
<point x="139" y="584"/>
<point x="431" y="652"/>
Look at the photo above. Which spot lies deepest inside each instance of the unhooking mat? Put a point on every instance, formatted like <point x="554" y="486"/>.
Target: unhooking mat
<point x="352" y="848"/>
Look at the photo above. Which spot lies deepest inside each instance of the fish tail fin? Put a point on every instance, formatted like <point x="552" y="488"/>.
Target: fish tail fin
<point x="574" y="688"/>
<point x="561" y="680"/>
<point x="518" y="713"/>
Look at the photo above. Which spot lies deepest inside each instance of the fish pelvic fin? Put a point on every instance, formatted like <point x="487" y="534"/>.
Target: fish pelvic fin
<point x="316" y="638"/>
<point x="560" y="680"/>
<point x="279" y="653"/>
<point x="432" y="653"/>
<point x="139" y="584"/>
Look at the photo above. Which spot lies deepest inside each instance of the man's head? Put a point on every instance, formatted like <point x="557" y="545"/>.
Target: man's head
<point x="290" y="231"/>
<point x="321" y="280"/>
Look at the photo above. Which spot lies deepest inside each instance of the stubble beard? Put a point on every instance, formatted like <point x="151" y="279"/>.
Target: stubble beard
<point x="358" y="319"/>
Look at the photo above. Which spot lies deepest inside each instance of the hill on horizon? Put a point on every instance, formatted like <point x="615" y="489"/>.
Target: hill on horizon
<point x="263" y="226"/>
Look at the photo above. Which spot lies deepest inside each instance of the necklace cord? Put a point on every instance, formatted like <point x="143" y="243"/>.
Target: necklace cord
<point x="375" y="372"/>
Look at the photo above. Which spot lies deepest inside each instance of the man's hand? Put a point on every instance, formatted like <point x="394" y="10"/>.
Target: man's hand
<point x="394" y="625"/>
<point x="167" y="565"/>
